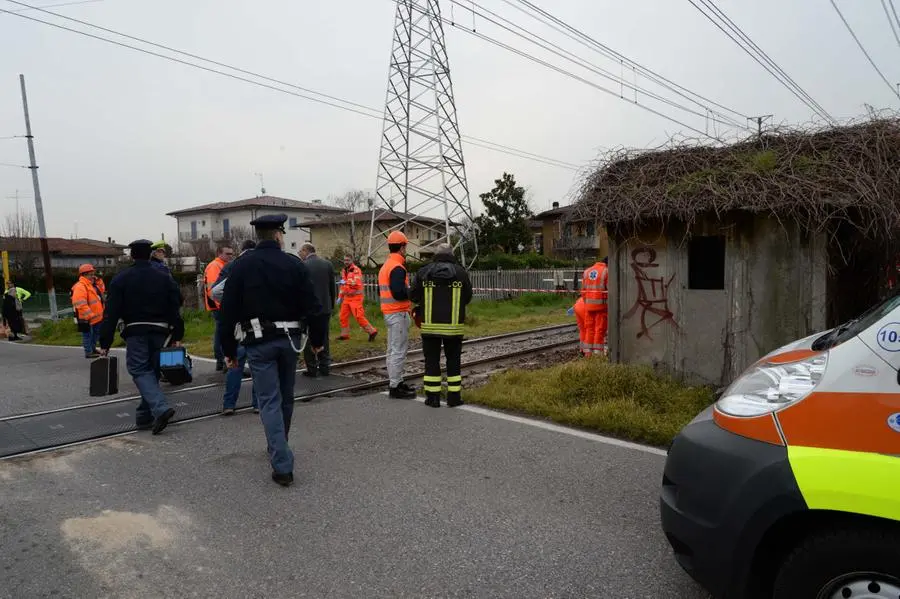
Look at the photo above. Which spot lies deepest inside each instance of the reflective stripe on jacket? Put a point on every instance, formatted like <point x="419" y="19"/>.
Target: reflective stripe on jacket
<point x="594" y="287"/>
<point x="86" y="301"/>
<point x="389" y="305"/>
<point x="353" y="283"/>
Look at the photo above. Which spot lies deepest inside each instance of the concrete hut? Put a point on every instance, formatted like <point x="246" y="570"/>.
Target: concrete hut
<point x="719" y="255"/>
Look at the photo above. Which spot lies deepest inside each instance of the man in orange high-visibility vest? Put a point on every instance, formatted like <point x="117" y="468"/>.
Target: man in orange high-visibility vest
<point x="595" y="293"/>
<point x="350" y="298"/>
<point x="393" y="293"/>
<point x="88" y="309"/>
<point x="224" y="255"/>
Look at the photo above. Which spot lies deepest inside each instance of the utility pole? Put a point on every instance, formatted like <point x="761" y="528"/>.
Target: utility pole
<point x="39" y="206"/>
<point x="759" y="122"/>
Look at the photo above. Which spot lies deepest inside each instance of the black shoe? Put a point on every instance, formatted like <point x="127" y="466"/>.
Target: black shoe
<point x="144" y="426"/>
<point x="163" y="421"/>
<point x="453" y="402"/>
<point x="285" y="480"/>
<point x="310" y="374"/>
<point x="406" y="387"/>
<point x="324" y="372"/>
<point x="399" y="392"/>
<point x="220" y="366"/>
<point x="433" y="402"/>
<point x="372" y="335"/>
<point x="228" y="412"/>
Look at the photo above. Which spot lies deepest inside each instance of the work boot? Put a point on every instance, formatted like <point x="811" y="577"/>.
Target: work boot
<point x="284" y="479"/>
<point x="309" y="373"/>
<point x="454" y="401"/>
<point x="399" y="392"/>
<point x="344" y="338"/>
<point x="433" y="400"/>
<point x="163" y="421"/>
<point x="373" y="334"/>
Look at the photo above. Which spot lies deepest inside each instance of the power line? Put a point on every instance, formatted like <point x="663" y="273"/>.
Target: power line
<point x="55" y="5"/>
<point x="586" y="40"/>
<point x="892" y="21"/>
<point x="749" y="47"/>
<point x="12" y="137"/>
<point x="861" y="47"/>
<point x="363" y="110"/>
<point x="12" y="165"/>
<point x="562" y="52"/>
<point x="572" y="75"/>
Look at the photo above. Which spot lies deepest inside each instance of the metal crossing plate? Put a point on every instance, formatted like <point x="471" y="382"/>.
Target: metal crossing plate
<point x="45" y="431"/>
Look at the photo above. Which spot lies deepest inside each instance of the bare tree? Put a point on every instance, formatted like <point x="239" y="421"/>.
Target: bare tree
<point x="19" y="225"/>
<point x="353" y="233"/>
<point x="238" y="235"/>
<point x="18" y="231"/>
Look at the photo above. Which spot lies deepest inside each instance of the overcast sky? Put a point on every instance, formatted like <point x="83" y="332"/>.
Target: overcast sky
<point x="122" y="137"/>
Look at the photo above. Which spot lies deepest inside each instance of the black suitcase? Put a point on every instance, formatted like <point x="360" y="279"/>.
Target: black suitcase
<point x="105" y="376"/>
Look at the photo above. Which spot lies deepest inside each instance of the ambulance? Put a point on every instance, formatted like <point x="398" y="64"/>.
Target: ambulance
<point x="789" y="486"/>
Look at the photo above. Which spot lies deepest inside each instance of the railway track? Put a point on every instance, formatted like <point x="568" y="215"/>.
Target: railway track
<point x="76" y="425"/>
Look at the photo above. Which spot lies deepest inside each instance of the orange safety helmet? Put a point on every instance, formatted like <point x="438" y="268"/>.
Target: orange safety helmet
<point x="397" y="237"/>
<point x="85" y="268"/>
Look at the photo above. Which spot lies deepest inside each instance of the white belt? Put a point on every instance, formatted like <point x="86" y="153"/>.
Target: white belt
<point x="286" y="324"/>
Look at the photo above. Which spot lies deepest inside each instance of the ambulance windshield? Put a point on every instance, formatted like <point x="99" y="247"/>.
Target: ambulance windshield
<point x="852" y="328"/>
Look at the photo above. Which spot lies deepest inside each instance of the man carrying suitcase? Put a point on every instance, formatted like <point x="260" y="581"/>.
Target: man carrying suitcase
<point x="148" y="301"/>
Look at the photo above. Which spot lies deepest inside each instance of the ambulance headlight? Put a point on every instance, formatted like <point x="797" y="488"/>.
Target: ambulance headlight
<point x="767" y="387"/>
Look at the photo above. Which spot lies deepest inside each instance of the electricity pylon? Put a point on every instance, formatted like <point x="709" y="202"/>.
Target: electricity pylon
<point x="421" y="187"/>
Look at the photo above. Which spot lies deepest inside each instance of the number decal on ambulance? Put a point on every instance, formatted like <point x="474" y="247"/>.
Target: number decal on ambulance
<point x="889" y="337"/>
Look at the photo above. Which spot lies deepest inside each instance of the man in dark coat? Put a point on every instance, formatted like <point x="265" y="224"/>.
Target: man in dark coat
<point x="321" y="272"/>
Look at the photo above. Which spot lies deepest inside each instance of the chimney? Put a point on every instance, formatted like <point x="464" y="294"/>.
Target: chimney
<point x="555" y="205"/>
<point x="109" y="240"/>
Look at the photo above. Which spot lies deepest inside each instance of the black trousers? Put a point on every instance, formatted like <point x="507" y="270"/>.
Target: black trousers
<point x="431" y="347"/>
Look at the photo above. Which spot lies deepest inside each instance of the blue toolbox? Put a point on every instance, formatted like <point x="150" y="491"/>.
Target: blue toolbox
<point x="176" y="365"/>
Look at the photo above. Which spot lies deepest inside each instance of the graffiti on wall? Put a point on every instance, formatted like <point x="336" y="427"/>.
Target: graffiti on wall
<point x="653" y="292"/>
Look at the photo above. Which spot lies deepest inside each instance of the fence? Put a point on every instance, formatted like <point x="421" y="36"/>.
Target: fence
<point x="39" y="304"/>
<point x="505" y="284"/>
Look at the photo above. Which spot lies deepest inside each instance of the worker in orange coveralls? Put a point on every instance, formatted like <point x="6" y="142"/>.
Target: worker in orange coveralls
<point x="595" y="293"/>
<point x="578" y="311"/>
<point x="350" y="299"/>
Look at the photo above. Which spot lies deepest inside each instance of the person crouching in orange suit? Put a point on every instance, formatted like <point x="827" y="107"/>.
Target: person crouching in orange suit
<point x="595" y="293"/>
<point x="578" y="311"/>
<point x="351" y="300"/>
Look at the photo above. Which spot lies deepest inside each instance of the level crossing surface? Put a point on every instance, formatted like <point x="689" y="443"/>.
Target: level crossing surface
<point x="391" y="499"/>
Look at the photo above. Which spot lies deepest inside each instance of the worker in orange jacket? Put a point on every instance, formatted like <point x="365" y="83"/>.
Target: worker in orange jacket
<point x="88" y="307"/>
<point x="595" y="293"/>
<point x="224" y="255"/>
<point x="350" y="299"/>
<point x="578" y="311"/>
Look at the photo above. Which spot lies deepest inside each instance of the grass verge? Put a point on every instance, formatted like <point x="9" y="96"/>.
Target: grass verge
<point x="483" y="318"/>
<point x="621" y="400"/>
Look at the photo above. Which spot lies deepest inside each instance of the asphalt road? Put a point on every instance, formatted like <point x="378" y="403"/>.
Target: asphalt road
<point x="36" y="378"/>
<point x="392" y="499"/>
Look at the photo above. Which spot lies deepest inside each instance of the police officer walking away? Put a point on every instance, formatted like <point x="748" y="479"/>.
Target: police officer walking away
<point x="393" y="291"/>
<point x="442" y="290"/>
<point x="148" y="301"/>
<point x="269" y="294"/>
<point x="321" y="273"/>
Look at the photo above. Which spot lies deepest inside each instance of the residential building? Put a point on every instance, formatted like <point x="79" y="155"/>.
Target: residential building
<point x="563" y="236"/>
<point x="350" y="233"/>
<point x="207" y="225"/>
<point x="25" y="252"/>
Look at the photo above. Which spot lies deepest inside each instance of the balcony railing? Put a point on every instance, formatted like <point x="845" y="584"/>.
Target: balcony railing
<point x="585" y="242"/>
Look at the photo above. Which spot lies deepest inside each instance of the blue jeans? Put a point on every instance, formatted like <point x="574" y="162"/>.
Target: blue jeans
<point x="142" y="362"/>
<point x="273" y="364"/>
<point x="90" y="338"/>
<point x="233" y="380"/>
<point x="217" y="338"/>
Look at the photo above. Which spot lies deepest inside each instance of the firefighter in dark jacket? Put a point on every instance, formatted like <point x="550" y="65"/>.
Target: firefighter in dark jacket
<point x="148" y="301"/>
<point x="442" y="290"/>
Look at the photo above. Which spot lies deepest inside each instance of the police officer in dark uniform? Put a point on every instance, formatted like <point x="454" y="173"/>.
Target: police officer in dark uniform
<point x="148" y="301"/>
<point x="269" y="296"/>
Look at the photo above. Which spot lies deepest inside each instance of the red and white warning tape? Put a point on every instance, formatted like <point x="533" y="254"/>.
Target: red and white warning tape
<point x="507" y="289"/>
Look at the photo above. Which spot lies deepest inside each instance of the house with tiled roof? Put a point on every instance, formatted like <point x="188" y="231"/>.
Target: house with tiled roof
<point x="222" y="222"/>
<point x="25" y="252"/>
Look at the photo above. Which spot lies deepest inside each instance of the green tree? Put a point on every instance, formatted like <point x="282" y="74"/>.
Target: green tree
<point x="504" y="224"/>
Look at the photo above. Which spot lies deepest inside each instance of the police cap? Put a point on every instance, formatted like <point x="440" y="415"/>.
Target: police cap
<point x="140" y="243"/>
<point x="270" y="221"/>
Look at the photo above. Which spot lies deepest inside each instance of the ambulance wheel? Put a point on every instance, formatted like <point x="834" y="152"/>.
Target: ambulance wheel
<point x="844" y="563"/>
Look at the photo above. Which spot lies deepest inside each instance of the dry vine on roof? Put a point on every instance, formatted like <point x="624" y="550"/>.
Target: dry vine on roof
<point x="814" y="176"/>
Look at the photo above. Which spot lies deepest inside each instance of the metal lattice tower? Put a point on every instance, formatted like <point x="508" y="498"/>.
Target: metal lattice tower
<point x="421" y="172"/>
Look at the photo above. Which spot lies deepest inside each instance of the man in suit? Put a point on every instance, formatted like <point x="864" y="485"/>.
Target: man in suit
<point x="321" y="272"/>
